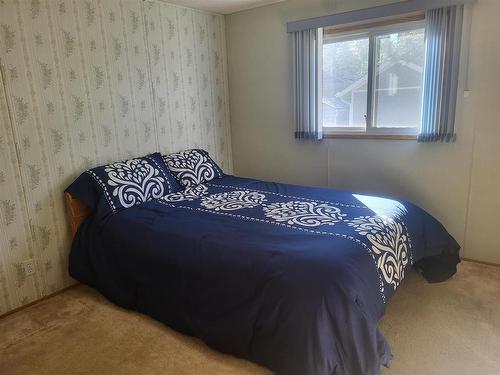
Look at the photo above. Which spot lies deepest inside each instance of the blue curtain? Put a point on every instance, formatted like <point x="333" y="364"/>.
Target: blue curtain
<point x="307" y="83"/>
<point x="443" y="38"/>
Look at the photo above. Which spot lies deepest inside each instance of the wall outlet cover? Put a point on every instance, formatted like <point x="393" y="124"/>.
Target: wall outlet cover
<point x="29" y="267"/>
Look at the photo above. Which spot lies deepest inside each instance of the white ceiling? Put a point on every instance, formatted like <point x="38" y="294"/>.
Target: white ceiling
<point x="223" y="6"/>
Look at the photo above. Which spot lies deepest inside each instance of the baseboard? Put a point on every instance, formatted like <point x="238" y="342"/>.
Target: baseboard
<point x="17" y="309"/>
<point x="481" y="262"/>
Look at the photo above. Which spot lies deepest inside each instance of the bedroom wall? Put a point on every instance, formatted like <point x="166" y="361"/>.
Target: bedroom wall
<point x="89" y="82"/>
<point x="435" y="176"/>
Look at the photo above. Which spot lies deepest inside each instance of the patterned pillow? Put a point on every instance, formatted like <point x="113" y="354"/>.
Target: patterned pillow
<point x="125" y="183"/>
<point x="193" y="167"/>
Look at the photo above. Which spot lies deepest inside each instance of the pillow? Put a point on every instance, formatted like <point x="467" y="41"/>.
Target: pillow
<point x="193" y="167"/>
<point x="124" y="184"/>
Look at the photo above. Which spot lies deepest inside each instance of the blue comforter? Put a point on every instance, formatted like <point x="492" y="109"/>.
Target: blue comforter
<point x="293" y="278"/>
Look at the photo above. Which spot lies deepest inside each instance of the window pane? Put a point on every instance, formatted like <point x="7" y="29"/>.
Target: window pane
<point x="398" y="79"/>
<point x="345" y="72"/>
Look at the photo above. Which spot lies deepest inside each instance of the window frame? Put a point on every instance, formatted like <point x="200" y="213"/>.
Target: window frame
<point x="370" y="32"/>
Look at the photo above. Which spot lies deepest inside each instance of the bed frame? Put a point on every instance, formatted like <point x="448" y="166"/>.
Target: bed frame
<point x="77" y="212"/>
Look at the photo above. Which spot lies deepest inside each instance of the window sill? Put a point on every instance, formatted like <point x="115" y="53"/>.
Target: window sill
<point x="394" y="137"/>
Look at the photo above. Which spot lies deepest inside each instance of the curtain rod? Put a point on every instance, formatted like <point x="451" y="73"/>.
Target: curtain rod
<point x="391" y="9"/>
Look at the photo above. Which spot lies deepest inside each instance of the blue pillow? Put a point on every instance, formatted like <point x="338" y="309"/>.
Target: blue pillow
<point x="193" y="167"/>
<point x="124" y="184"/>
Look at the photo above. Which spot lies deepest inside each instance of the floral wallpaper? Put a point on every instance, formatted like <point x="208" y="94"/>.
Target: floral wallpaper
<point x="85" y="82"/>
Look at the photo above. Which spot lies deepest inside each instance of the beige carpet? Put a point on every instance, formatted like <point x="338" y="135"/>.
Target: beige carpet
<point x="448" y="328"/>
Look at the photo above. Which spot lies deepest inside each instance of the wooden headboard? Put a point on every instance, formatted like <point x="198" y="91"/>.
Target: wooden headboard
<point x="77" y="212"/>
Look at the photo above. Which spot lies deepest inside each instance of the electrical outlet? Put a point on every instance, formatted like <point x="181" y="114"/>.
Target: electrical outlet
<point x="29" y="267"/>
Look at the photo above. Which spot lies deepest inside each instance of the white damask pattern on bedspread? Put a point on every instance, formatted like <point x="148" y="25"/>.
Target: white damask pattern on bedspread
<point x="385" y="238"/>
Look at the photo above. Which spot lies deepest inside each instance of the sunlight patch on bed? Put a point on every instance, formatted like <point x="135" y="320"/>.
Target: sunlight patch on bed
<point x="382" y="206"/>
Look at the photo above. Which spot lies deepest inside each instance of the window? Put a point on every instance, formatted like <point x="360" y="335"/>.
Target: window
<point x="372" y="79"/>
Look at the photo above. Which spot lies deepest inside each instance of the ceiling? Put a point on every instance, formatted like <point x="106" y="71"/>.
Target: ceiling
<point x="223" y="6"/>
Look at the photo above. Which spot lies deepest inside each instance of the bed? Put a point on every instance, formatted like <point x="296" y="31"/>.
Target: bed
<point x="293" y="278"/>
